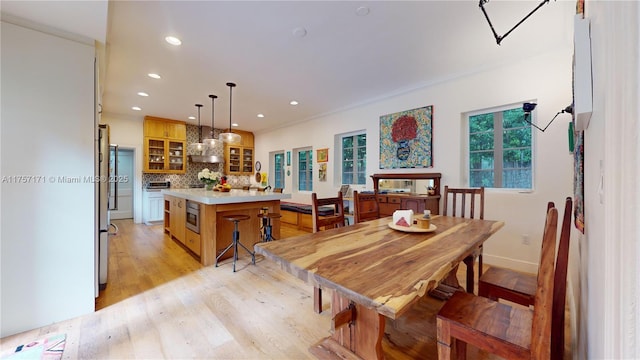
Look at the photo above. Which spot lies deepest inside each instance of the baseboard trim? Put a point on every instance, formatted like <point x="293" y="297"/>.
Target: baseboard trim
<point x="509" y="263"/>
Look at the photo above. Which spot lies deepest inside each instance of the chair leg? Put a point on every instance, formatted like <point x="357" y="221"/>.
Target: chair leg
<point x="317" y="299"/>
<point x="469" y="262"/>
<point x="461" y="350"/>
<point x="444" y="339"/>
<point x="236" y="235"/>
<point x="223" y="252"/>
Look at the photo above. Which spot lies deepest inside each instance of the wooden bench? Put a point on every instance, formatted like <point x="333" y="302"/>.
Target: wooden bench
<point x="299" y="215"/>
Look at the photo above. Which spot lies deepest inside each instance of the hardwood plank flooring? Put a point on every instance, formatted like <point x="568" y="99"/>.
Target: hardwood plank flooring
<point x="161" y="303"/>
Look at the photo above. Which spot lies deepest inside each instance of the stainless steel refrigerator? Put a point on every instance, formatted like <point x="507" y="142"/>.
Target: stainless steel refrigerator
<point x="107" y="173"/>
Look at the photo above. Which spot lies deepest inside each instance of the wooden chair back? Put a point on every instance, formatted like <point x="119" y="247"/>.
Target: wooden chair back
<point x="365" y="207"/>
<point x="277" y="190"/>
<point x="460" y="195"/>
<point x="560" y="284"/>
<point x="511" y="332"/>
<point x="502" y="283"/>
<point x="323" y="223"/>
<point x="330" y="221"/>
<point x="510" y="285"/>
<point x="543" y="303"/>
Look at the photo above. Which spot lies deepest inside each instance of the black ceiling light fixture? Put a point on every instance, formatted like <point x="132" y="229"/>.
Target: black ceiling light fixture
<point x="199" y="146"/>
<point x="499" y="38"/>
<point x="211" y="141"/>
<point x="230" y="137"/>
<point x="527" y="108"/>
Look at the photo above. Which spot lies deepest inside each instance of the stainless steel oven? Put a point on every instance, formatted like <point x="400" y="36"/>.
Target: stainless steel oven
<point x="193" y="216"/>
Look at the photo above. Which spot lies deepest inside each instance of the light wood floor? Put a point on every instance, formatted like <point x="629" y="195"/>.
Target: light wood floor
<point x="161" y="303"/>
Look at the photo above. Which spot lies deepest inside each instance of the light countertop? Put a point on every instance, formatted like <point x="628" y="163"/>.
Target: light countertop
<point x="210" y="197"/>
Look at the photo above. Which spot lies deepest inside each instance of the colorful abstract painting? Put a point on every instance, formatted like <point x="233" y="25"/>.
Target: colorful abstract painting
<point x="406" y="139"/>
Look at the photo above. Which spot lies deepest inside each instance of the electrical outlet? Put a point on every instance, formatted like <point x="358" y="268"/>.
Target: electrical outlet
<point x="525" y="239"/>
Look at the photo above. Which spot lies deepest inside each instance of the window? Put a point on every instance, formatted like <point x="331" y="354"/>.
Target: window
<point x="305" y="169"/>
<point x="500" y="149"/>
<point x="278" y="169"/>
<point x="354" y="158"/>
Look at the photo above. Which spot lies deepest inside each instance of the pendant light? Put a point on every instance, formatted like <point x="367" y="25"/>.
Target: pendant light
<point x="199" y="146"/>
<point x="211" y="141"/>
<point x="229" y="137"/>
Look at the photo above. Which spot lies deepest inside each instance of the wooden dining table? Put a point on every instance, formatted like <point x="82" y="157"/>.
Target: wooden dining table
<point x="375" y="272"/>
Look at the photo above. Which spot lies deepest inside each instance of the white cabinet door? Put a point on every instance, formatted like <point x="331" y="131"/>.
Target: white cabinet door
<point x="156" y="208"/>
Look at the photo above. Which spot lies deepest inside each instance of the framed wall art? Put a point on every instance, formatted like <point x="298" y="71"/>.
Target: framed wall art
<point x="322" y="172"/>
<point x="406" y="139"/>
<point x="322" y="155"/>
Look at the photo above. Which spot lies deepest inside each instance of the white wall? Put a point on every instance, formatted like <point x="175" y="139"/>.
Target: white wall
<point x="610" y="248"/>
<point x="545" y="79"/>
<point x="127" y="132"/>
<point x="47" y="226"/>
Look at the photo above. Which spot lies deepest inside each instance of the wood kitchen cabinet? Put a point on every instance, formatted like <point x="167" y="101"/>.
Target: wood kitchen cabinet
<point x="192" y="241"/>
<point x="164" y="156"/>
<point x="239" y="158"/>
<point x="165" y="143"/>
<point x="176" y="217"/>
<point x="165" y="128"/>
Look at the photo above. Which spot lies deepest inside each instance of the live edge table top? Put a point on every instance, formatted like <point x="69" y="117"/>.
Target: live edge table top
<point x="376" y="266"/>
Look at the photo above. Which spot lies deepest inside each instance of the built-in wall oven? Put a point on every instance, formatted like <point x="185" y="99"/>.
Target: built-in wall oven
<point x="193" y="216"/>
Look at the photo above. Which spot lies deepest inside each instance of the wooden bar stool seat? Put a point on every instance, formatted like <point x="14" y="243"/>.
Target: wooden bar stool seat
<point x="236" y="240"/>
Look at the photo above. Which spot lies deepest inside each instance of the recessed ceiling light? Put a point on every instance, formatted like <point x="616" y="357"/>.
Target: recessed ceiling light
<point x="152" y="75"/>
<point x="173" y="40"/>
<point x="141" y="93"/>
<point x="234" y="125"/>
<point x="192" y="117"/>
<point x="293" y="102"/>
<point x="260" y="115"/>
<point x="362" y="11"/>
<point x="136" y="108"/>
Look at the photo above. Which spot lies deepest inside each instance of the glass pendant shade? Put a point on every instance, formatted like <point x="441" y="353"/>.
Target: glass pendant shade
<point x="229" y="137"/>
<point x="211" y="142"/>
<point x="198" y="146"/>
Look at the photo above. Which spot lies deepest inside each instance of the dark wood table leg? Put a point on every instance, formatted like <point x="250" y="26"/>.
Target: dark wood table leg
<point x="361" y="337"/>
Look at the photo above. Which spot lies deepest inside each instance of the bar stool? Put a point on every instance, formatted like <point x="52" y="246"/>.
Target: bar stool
<point x="236" y="240"/>
<point x="266" y="217"/>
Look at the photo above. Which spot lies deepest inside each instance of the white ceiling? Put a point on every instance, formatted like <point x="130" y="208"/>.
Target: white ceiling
<point x="344" y="59"/>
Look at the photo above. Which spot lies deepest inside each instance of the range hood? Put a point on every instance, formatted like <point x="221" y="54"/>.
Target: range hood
<point x="211" y="159"/>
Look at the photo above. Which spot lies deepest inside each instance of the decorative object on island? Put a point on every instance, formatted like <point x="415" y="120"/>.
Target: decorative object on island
<point x="406" y="139"/>
<point x="230" y="137"/>
<point x="323" y="155"/>
<point x="199" y="146"/>
<point x="209" y="178"/>
<point x="211" y="142"/>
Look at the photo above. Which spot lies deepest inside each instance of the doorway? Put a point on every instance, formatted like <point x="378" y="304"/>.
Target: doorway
<point x="124" y="182"/>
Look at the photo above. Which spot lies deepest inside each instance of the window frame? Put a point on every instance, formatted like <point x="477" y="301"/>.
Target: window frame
<point x="340" y="157"/>
<point x="296" y="156"/>
<point x="467" y="146"/>
<point x="273" y="168"/>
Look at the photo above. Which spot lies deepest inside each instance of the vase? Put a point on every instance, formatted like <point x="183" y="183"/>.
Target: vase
<point x="209" y="186"/>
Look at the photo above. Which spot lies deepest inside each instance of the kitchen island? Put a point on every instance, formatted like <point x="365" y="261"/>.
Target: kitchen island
<point x="213" y="233"/>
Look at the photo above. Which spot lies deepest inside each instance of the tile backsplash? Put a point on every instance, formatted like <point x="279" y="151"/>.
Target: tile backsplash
<point x="191" y="176"/>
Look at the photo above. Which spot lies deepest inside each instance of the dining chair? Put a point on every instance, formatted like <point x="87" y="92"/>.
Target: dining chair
<point x="325" y="222"/>
<point x="512" y="331"/>
<point x="466" y="203"/>
<point x="500" y="283"/>
<point x="365" y="207"/>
